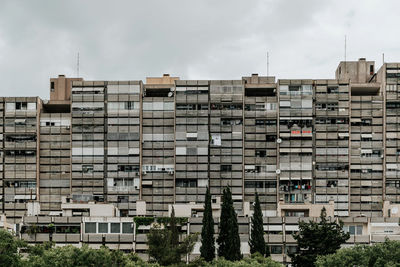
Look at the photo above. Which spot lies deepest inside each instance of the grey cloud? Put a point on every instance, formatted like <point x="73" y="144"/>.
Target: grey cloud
<point x="191" y="39"/>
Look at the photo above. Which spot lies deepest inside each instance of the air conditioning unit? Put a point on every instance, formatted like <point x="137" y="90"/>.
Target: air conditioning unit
<point x="144" y="172"/>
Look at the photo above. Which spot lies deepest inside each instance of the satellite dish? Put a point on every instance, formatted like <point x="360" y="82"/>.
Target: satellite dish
<point x="170" y="94"/>
<point x="279" y="140"/>
<point x="278" y="171"/>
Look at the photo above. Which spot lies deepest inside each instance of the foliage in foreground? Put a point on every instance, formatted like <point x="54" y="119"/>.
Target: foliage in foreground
<point x="256" y="260"/>
<point x="316" y="239"/>
<point x="380" y="254"/>
<point x="47" y="255"/>
<point x="164" y="250"/>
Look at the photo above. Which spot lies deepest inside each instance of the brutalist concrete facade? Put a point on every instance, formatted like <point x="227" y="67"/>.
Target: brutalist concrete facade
<point x="145" y="146"/>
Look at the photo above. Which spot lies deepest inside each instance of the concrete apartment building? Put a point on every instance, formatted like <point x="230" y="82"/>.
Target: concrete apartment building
<point x="143" y="147"/>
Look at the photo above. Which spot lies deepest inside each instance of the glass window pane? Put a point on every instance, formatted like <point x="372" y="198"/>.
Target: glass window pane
<point x="127" y="228"/>
<point x="90" y="228"/>
<point x="352" y="229"/>
<point x="359" y="229"/>
<point x="103" y="227"/>
<point x="115" y="228"/>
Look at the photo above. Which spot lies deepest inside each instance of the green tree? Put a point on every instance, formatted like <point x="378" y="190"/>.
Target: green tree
<point x="228" y="238"/>
<point x="256" y="260"/>
<point x="207" y="249"/>
<point x="9" y="249"/>
<point x="161" y="249"/>
<point x="257" y="242"/>
<point x="174" y="229"/>
<point x="317" y="238"/>
<point x="381" y="254"/>
<point x="69" y="256"/>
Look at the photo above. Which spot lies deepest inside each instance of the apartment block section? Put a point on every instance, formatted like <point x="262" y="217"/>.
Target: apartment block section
<point x="391" y="83"/>
<point x="158" y="145"/>
<point x="89" y="133"/>
<point x="55" y="158"/>
<point x="367" y="151"/>
<point x="191" y="141"/>
<point x="331" y="128"/>
<point x="260" y="142"/>
<point x="123" y="145"/>
<point x="295" y="142"/>
<point x="2" y="163"/>
<point x="20" y="155"/>
<point x="226" y="147"/>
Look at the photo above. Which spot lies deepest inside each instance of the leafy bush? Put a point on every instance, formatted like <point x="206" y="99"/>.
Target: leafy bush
<point x="381" y="254"/>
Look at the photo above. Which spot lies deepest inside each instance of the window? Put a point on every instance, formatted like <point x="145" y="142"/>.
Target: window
<point x="371" y="69"/>
<point x="291" y="249"/>
<point x="261" y="153"/>
<point x="115" y="228"/>
<point x="191" y="151"/>
<point x="90" y="228"/>
<point x="21" y="106"/>
<point x="186" y="183"/>
<point x="123" y="199"/>
<point x="332" y="183"/>
<point x="270" y="138"/>
<point x="103" y="228"/>
<point x="87" y="168"/>
<point x="216" y="139"/>
<point x="52" y="86"/>
<point x="353" y="229"/>
<point x="276" y="249"/>
<point x="128" y="168"/>
<point x="226" y="168"/>
<point x="127" y="228"/>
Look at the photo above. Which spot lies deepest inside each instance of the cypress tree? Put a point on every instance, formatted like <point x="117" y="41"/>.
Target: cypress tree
<point x="257" y="242"/>
<point x="207" y="248"/>
<point x="228" y="238"/>
<point x="174" y="229"/>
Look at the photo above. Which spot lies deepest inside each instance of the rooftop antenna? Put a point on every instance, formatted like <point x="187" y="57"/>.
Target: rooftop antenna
<point x="345" y="53"/>
<point x="267" y="64"/>
<point x="77" y="66"/>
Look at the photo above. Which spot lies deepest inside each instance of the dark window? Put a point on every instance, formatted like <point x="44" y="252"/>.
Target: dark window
<point x="186" y="183"/>
<point x="21" y="105"/>
<point x="103" y="228"/>
<point x="371" y="69"/>
<point x="226" y="168"/>
<point x="90" y="228"/>
<point x="127" y="228"/>
<point x="87" y="168"/>
<point x="115" y="228"/>
<point x="52" y="86"/>
<point x="276" y="249"/>
<point x="262" y="153"/>
<point x="123" y="199"/>
<point x="270" y="138"/>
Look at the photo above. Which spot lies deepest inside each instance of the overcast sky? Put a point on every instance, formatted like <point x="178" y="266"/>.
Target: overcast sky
<point x="129" y="40"/>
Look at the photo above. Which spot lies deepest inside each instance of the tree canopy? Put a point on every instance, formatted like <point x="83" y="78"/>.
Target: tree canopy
<point x="317" y="238"/>
<point x="380" y="254"/>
